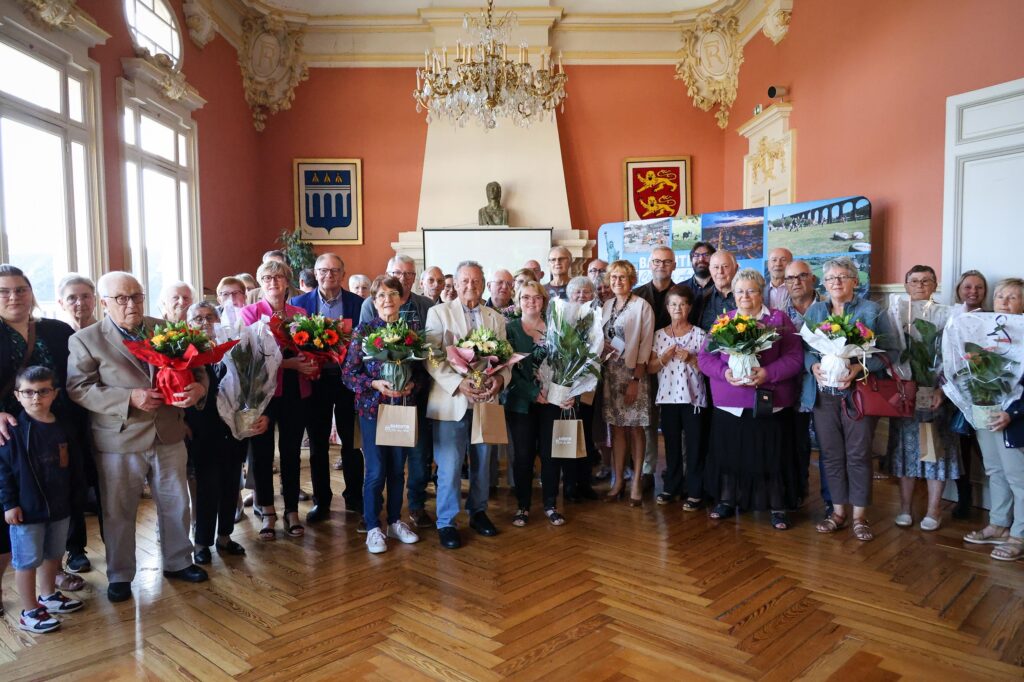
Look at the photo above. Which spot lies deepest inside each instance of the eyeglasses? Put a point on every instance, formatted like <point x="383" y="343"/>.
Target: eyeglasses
<point x="16" y="292"/>
<point x="399" y="273"/>
<point x="74" y="299"/>
<point x="659" y="262"/>
<point x="596" y="271"/>
<point x="204" y="319"/>
<point x="230" y="294"/>
<point x="838" y="279"/>
<point x="32" y="393"/>
<point x="267" y="279"/>
<point x="700" y="255"/>
<point x="746" y="292"/>
<point x="323" y="272"/>
<point x="920" y="282"/>
<point x="791" y="279"/>
<point x="123" y="300"/>
<point x="385" y="295"/>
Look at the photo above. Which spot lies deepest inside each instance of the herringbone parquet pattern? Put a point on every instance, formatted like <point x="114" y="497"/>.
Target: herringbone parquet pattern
<point x="617" y="593"/>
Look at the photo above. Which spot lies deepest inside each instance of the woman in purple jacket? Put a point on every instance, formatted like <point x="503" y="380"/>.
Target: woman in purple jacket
<point x="751" y="460"/>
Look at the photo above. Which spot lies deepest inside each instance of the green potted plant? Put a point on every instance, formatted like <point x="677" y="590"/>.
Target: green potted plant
<point x="987" y="378"/>
<point x="297" y="252"/>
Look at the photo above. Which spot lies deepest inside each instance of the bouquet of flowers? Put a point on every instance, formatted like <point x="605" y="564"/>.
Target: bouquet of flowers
<point x="315" y="337"/>
<point x="395" y="346"/>
<point x="250" y="379"/>
<point x="573" y="343"/>
<point x="837" y="340"/>
<point x="176" y="349"/>
<point x="983" y="357"/>
<point x="480" y="355"/>
<point x="742" y="338"/>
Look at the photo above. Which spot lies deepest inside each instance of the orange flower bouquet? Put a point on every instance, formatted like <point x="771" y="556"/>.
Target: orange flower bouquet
<point x="316" y="337"/>
<point x="176" y="349"/>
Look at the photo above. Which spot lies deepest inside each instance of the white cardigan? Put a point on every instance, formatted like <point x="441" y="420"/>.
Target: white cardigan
<point x="637" y="320"/>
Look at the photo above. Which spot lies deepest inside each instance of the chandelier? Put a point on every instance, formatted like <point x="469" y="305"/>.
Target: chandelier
<point x="483" y="83"/>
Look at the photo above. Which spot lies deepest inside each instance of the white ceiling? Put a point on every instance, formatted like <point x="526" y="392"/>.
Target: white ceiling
<point x="407" y="7"/>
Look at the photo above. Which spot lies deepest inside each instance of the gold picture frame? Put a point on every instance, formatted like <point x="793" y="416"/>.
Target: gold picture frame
<point x="329" y="200"/>
<point x="656" y="187"/>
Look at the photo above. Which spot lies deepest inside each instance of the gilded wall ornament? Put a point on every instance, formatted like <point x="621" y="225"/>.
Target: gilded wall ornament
<point x="710" y="64"/>
<point x="160" y="73"/>
<point x="201" y="26"/>
<point x="763" y="161"/>
<point x="271" y="62"/>
<point x="52" y="14"/>
<point x="776" y="25"/>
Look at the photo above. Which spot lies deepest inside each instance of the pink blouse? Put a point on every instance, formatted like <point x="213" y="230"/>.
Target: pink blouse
<point x="252" y="314"/>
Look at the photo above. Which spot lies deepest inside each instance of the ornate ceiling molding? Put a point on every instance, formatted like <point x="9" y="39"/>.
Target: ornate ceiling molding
<point x="272" y="65"/>
<point x="711" y="57"/>
<point x="776" y="21"/>
<point x="158" y="73"/>
<point x="202" y="28"/>
<point x="66" y="16"/>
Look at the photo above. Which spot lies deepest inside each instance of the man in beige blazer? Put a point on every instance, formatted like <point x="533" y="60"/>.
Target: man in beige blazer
<point x="448" y="405"/>
<point x="136" y="435"/>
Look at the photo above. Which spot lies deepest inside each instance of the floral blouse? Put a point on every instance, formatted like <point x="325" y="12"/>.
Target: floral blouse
<point x="680" y="382"/>
<point x="359" y="372"/>
<point x="40" y="356"/>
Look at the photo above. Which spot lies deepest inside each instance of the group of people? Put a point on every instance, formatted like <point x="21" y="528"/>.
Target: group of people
<point x="82" y="425"/>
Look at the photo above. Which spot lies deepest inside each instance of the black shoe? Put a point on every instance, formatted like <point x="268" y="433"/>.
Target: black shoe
<point x="119" y="592"/>
<point x="304" y="496"/>
<point x="647" y="482"/>
<point x="482" y="525"/>
<point x="318" y="513"/>
<point x="231" y="547"/>
<point x="449" y="537"/>
<point x="203" y="556"/>
<point x="190" y="574"/>
<point x="587" y="493"/>
<point x="78" y="563"/>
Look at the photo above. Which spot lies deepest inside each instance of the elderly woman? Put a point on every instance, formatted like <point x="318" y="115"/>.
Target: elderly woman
<point x="845" y="443"/>
<point x="385" y="464"/>
<point x="249" y="281"/>
<point x="216" y="456"/>
<point x="971" y="290"/>
<point x="530" y="416"/>
<point x="582" y="290"/>
<point x="629" y="335"/>
<point x="524" y="275"/>
<point x="752" y="460"/>
<point x="681" y="397"/>
<point x="1004" y="466"/>
<point x="287" y="410"/>
<point x="175" y="298"/>
<point x="359" y="285"/>
<point x="78" y="300"/>
<point x="904" y="448"/>
<point x="26" y="340"/>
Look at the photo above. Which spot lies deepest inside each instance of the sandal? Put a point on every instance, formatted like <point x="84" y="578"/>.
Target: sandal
<point x="780" y="520"/>
<point x="267" y="532"/>
<point x="665" y="498"/>
<point x="831" y="524"/>
<point x="521" y="518"/>
<point x="980" y="537"/>
<point x="554" y="517"/>
<point x="69" y="582"/>
<point x="862" y="531"/>
<point x="1009" y="551"/>
<point x="692" y="504"/>
<point x="722" y="511"/>
<point x="295" y="530"/>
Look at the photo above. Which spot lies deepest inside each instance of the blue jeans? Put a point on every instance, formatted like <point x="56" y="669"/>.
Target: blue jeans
<point x="451" y="442"/>
<point x="420" y="458"/>
<point x="384" y="465"/>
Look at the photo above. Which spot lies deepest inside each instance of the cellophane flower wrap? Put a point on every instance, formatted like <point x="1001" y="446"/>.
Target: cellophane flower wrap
<point x="175" y="349"/>
<point x="396" y="346"/>
<point x="316" y="337"/>
<point x="983" y="360"/>
<point x="838" y="339"/>
<point x="741" y="337"/>
<point x="250" y="378"/>
<point x="480" y="355"/>
<point x="573" y="342"/>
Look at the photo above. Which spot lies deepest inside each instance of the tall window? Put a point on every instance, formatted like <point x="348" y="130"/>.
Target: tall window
<point x="49" y="195"/>
<point x="153" y="26"/>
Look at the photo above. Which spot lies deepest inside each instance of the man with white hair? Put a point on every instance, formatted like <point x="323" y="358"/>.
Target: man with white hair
<point x="137" y="435"/>
<point x="432" y="283"/>
<point x="776" y="295"/>
<point x="500" y="286"/>
<point x="720" y="299"/>
<point x="560" y="261"/>
<point x="359" y="285"/>
<point x="414" y="307"/>
<point x="535" y="266"/>
<point x="175" y="298"/>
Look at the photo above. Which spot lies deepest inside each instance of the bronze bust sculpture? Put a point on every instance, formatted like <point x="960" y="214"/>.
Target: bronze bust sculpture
<point x="493" y="213"/>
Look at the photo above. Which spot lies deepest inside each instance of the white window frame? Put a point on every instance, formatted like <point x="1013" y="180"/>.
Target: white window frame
<point x="68" y="53"/>
<point x="174" y="25"/>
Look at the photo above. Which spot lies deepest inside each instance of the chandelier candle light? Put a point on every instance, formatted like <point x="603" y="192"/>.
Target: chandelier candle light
<point x="484" y="83"/>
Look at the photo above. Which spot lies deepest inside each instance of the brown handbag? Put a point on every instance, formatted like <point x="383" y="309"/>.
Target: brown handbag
<point x="886" y="397"/>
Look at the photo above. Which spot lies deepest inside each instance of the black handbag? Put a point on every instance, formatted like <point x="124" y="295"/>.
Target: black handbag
<point x="764" y="403"/>
<point x="1013" y="435"/>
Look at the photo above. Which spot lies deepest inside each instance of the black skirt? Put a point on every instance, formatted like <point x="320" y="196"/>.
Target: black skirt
<point x="752" y="461"/>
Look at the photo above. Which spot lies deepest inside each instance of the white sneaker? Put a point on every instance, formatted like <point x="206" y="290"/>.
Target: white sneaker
<point x="375" y="541"/>
<point x="400" y="531"/>
<point x="58" y="603"/>
<point x="38" y="620"/>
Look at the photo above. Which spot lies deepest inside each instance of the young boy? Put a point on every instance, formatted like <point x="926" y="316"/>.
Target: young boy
<point x="37" y="480"/>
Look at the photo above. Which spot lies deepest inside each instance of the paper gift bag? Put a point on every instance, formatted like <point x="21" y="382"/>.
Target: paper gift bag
<point x="928" y="439"/>
<point x="489" y="424"/>
<point x="357" y="435"/>
<point x="567" y="439"/>
<point x="396" y="426"/>
<point x="588" y="397"/>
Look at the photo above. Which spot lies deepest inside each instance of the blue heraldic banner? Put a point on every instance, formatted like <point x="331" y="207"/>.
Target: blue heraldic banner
<point x="328" y="200"/>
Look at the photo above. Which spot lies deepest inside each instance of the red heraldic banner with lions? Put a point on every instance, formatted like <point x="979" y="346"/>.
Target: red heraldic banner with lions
<point x="657" y="187"/>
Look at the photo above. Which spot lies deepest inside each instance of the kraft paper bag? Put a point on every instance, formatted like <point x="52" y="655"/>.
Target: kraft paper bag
<point x="396" y="426"/>
<point x="928" y="439"/>
<point x="567" y="439"/>
<point x="489" y="424"/>
<point x="588" y="397"/>
<point x="357" y="435"/>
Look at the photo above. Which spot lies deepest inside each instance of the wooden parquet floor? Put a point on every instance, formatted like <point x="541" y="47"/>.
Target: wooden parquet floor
<point x="616" y="594"/>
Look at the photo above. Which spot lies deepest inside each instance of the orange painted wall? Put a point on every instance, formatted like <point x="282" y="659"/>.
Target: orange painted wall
<point x="869" y="85"/>
<point x="228" y="160"/>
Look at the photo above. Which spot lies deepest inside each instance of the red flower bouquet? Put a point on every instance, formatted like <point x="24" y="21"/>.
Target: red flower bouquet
<point x="316" y="337"/>
<point x="176" y="349"/>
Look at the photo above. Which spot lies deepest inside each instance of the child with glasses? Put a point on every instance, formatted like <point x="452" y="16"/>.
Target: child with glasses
<point x="38" y="474"/>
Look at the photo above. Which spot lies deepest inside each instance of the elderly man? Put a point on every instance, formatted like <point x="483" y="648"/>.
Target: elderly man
<point x="136" y="435"/>
<point x="776" y="294"/>
<point x="414" y="307"/>
<point x="359" y="285"/>
<point x="535" y="266"/>
<point x="330" y="397"/>
<point x="432" y="283"/>
<point x="77" y="300"/>
<point x="596" y="268"/>
<point x="560" y="261"/>
<point x="449" y="406"/>
<point x="700" y="283"/>
<point x="500" y="286"/>
<point x="720" y="299"/>
<point x="175" y="298"/>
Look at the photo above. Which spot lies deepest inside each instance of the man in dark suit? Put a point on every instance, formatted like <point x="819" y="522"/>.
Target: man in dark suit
<point x="330" y="397"/>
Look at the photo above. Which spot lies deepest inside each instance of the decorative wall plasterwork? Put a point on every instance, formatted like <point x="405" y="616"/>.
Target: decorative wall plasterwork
<point x="201" y="26"/>
<point x="710" y="65"/>
<point x="776" y="21"/>
<point x="158" y="72"/>
<point x="769" y="172"/>
<point x="64" y="15"/>
<point x="272" y="65"/>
